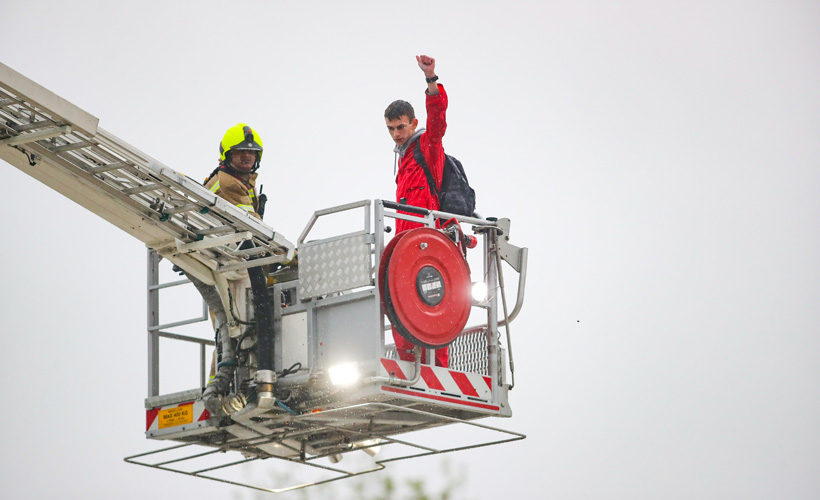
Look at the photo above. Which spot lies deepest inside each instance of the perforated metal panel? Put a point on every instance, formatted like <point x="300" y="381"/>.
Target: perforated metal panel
<point x="468" y="352"/>
<point x="335" y="265"/>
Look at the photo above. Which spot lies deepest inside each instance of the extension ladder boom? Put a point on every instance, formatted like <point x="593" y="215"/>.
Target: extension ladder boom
<point x="63" y="147"/>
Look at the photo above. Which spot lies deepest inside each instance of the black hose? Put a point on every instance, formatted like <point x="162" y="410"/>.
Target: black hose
<point x="263" y="311"/>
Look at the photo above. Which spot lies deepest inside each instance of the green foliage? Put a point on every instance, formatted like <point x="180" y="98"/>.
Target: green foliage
<point x="383" y="486"/>
<point x="443" y="484"/>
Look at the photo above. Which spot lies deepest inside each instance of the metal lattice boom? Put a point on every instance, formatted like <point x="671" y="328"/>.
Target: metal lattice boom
<point x="62" y="146"/>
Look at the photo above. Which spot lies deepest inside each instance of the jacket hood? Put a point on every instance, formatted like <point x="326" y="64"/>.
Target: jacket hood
<point x="404" y="147"/>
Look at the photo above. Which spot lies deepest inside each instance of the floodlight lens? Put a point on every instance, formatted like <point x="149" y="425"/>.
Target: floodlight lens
<point x="344" y="374"/>
<point x="480" y="291"/>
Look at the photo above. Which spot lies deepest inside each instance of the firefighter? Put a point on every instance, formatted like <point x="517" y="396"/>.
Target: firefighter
<point x="240" y="152"/>
<point x="234" y="180"/>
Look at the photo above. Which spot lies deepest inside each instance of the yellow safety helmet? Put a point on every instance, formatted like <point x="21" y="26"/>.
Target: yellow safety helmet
<point x="240" y="136"/>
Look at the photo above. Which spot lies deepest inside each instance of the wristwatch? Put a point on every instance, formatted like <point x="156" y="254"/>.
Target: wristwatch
<point x="432" y="79"/>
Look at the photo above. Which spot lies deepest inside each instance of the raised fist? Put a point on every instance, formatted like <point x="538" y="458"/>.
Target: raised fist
<point x="428" y="65"/>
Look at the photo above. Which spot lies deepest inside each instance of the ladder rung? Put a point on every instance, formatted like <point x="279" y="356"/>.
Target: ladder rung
<point x="36" y="136"/>
<point x="142" y="189"/>
<point x="31" y="126"/>
<point x="69" y="147"/>
<point x="215" y="230"/>
<point x="112" y="166"/>
<point x="188" y="207"/>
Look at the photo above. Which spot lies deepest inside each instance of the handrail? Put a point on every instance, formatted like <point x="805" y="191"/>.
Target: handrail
<point x="438" y="214"/>
<point x="333" y="210"/>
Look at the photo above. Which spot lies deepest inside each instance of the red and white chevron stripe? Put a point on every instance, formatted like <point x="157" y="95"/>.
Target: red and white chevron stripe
<point x="442" y="384"/>
<point x="175" y="415"/>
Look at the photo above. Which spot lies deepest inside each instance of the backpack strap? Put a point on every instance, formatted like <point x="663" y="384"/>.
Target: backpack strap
<point x="419" y="157"/>
<point x="213" y="174"/>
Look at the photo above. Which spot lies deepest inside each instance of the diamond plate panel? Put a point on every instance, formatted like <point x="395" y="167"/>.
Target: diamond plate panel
<point x="334" y="266"/>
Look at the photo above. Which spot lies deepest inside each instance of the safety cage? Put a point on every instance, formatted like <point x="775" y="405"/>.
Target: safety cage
<point x="340" y="385"/>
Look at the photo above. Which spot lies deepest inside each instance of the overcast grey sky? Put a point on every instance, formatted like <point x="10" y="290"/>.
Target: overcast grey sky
<point x="661" y="160"/>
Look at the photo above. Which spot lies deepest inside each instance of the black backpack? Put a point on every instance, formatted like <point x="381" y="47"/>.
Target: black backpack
<point x="456" y="196"/>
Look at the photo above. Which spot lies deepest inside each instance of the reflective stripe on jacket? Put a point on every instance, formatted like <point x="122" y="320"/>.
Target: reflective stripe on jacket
<point x="236" y="191"/>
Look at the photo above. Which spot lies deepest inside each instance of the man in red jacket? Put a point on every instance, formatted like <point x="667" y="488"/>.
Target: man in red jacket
<point x="411" y="181"/>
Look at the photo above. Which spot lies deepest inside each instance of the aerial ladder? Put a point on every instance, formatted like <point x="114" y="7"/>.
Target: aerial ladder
<point x="312" y="376"/>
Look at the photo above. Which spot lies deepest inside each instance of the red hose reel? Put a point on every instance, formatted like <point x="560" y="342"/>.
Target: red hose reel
<point x="424" y="284"/>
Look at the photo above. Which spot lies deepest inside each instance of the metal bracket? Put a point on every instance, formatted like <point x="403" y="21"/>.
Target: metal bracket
<point x="213" y="242"/>
<point x="510" y="253"/>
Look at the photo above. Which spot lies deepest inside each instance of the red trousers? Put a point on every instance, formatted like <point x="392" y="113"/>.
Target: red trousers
<point x="405" y="350"/>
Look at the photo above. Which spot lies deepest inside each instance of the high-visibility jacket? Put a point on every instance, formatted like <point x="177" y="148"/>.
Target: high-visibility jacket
<point x="236" y="190"/>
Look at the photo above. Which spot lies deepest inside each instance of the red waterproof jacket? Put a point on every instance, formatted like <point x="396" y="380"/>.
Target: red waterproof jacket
<point x="411" y="182"/>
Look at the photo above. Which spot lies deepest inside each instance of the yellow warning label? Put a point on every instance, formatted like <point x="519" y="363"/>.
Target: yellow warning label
<point x="176" y="416"/>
